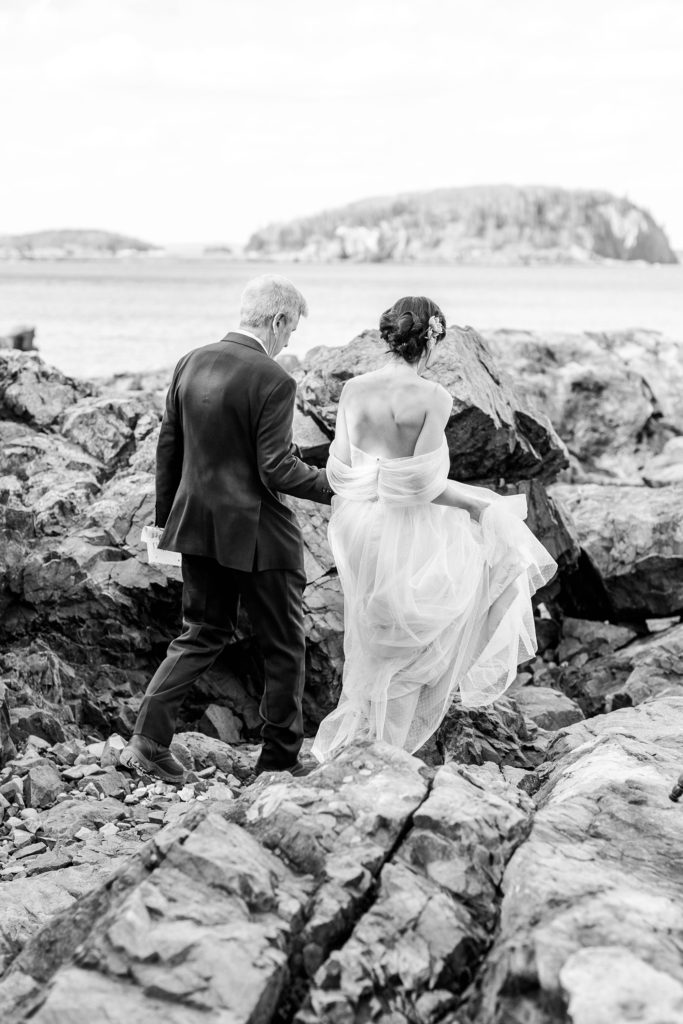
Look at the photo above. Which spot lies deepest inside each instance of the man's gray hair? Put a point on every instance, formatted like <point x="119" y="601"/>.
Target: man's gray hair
<point x="266" y="296"/>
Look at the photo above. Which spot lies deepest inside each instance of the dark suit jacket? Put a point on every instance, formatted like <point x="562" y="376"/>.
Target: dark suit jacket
<point x="224" y="453"/>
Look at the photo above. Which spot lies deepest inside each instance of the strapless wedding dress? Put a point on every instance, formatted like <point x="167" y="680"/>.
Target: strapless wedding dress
<point x="434" y="603"/>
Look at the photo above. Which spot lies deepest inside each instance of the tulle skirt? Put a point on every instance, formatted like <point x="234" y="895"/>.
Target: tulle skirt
<point x="434" y="604"/>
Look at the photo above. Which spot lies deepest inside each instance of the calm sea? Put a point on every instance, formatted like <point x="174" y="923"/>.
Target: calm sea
<point x="109" y="316"/>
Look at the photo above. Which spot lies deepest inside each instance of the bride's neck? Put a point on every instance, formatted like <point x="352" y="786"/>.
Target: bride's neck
<point x="399" y="365"/>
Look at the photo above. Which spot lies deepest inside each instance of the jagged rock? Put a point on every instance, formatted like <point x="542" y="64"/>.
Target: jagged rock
<point x="206" y="751"/>
<point x="548" y="708"/>
<point x="418" y="943"/>
<point x="223" y="906"/>
<point x="27" y="721"/>
<point x="28" y="903"/>
<point x="62" y="821"/>
<point x="649" y="667"/>
<point x="42" y="785"/>
<point x="111" y="751"/>
<point x="33" y="392"/>
<point x="583" y="639"/>
<point x="596" y="871"/>
<point x="498" y="733"/>
<point x="310" y="439"/>
<point x="490" y="434"/>
<point x="104" y="427"/>
<point x="220" y="723"/>
<point x="633" y="537"/>
<point x="615" y="399"/>
<point x="324" y="625"/>
<point x="7" y="748"/>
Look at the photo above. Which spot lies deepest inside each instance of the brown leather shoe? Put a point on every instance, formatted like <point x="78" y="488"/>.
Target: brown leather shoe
<point x="144" y="756"/>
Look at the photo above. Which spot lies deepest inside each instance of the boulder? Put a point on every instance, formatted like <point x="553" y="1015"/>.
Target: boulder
<point x="312" y="442"/>
<point x="220" y="723"/>
<point x="207" y="750"/>
<point x="548" y="708"/>
<point x="28" y="903"/>
<point x="614" y="399"/>
<point x="33" y="392"/>
<point x="498" y="733"/>
<point x="584" y="639"/>
<point x="595" y="882"/>
<point x="42" y="785"/>
<point x="31" y="721"/>
<point x="649" y="667"/>
<point x="633" y="538"/>
<point x="491" y="434"/>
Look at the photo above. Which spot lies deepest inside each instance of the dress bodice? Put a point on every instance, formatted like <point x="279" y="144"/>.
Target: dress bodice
<point x="415" y="479"/>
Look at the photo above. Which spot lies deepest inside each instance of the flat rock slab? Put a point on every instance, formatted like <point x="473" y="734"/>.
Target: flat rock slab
<point x="598" y="872"/>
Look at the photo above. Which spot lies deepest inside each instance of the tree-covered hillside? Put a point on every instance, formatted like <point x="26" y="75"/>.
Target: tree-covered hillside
<point x="504" y="223"/>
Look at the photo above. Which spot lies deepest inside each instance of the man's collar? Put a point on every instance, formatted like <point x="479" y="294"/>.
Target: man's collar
<point x="248" y="334"/>
<point x="246" y="338"/>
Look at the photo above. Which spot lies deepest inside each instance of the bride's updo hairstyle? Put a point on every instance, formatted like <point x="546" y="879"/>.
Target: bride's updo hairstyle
<point x="410" y="324"/>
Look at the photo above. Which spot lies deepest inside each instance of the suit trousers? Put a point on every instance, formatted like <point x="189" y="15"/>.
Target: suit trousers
<point x="211" y="599"/>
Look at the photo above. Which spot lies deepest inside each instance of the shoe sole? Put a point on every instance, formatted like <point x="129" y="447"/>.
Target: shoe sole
<point x="141" y="765"/>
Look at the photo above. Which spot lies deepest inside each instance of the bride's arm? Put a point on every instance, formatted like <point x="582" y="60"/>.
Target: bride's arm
<point x="342" y="447"/>
<point x="431" y="437"/>
<point x="453" y="497"/>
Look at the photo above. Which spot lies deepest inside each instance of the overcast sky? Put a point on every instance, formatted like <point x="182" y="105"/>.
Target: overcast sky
<point x="202" y="120"/>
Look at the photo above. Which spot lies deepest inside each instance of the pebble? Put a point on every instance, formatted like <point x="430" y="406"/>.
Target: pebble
<point x="83" y="833"/>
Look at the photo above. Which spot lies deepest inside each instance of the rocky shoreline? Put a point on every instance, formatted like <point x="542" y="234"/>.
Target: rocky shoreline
<point x="520" y="868"/>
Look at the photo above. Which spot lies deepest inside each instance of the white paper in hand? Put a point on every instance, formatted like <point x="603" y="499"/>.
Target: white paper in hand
<point x="155" y="554"/>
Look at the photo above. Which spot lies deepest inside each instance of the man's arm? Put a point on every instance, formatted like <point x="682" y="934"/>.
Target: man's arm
<point x="169" y="461"/>
<point x="279" y="468"/>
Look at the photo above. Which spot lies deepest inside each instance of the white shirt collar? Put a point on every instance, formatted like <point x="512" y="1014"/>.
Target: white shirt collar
<point x="241" y="330"/>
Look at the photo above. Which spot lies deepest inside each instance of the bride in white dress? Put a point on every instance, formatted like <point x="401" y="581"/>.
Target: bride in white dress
<point x="437" y="575"/>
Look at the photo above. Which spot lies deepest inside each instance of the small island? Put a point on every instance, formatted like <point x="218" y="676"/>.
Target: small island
<point x="72" y="243"/>
<point x="501" y="224"/>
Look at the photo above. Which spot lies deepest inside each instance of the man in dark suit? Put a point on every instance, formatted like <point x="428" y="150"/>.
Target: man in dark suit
<point x="224" y="452"/>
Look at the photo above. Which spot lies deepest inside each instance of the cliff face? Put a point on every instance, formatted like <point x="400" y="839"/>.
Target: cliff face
<point x="500" y="224"/>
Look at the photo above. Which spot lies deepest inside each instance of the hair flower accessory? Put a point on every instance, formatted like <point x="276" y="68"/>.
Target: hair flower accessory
<point x="435" y="328"/>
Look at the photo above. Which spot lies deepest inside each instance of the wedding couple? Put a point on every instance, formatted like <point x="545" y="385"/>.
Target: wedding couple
<point x="437" y="576"/>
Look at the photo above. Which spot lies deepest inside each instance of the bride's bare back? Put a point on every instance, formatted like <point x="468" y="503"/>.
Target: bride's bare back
<point x="391" y="413"/>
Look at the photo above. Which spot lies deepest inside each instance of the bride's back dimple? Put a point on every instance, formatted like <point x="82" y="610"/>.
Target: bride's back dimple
<point x="385" y="416"/>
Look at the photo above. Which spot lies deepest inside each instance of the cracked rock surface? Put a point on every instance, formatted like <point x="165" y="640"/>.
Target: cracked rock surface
<point x="376" y="889"/>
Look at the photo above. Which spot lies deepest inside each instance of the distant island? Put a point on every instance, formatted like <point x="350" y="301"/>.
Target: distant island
<point x="483" y="224"/>
<point x="72" y="243"/>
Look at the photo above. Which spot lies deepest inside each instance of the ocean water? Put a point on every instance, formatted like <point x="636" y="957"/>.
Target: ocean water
<point x="96" y="318"/>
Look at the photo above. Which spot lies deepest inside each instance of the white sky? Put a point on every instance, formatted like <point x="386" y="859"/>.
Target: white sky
<point x="202" y="120"/>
